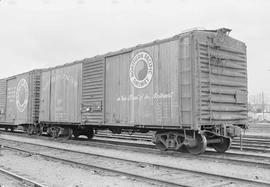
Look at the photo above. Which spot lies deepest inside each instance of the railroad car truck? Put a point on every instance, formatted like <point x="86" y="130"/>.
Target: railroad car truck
<point x="191" y="89"/>
<point x="19" y="100"/>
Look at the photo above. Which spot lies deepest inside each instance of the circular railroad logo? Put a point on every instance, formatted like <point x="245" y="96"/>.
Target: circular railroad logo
<point x="22" y="95"/>
<point x="141" y="70"/>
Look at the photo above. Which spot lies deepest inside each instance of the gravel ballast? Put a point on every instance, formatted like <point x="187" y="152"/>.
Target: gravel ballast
<point x="213" y="166"/>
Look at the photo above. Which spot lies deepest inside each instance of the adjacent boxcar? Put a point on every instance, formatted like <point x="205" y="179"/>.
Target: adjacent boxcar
<point x="191" y="89"/>
<point x="60" y="99"/>
<point x="19" y="99"/>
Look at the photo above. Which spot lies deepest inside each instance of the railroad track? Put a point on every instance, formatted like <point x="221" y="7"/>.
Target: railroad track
<point x="148" y="136"/>
<point x="145" y="146"/>
<point x="111" y="164"/>
<point x="248" y="143"/>
<point x="19" y="178"/>
<point x="245" y="158"/>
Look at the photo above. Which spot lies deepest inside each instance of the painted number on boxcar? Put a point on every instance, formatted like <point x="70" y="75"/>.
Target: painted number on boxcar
<point x="141" y="70"/>
<point x="22" y="95"/>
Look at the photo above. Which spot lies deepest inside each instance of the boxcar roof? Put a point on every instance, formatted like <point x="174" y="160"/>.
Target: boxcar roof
<point x="14" y="76"/>
<point x="124" y="50"/>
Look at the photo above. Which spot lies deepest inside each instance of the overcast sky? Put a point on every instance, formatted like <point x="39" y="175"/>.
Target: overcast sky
<point x="42" y="33"/>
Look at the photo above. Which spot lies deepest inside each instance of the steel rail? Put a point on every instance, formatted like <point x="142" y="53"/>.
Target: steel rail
<point x="21" y="179"/>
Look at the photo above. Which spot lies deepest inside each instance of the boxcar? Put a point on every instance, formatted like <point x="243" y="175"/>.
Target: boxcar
<point x="191" y="89"/>
<point x="60" y="100"/>
<point x="19" y="100"/>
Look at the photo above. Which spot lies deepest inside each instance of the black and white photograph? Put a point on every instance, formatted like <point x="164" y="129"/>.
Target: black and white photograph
<point x="134" y="93"/>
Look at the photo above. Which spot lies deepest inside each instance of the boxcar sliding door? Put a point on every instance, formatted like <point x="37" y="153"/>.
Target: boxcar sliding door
<point x="93" y="92"/>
